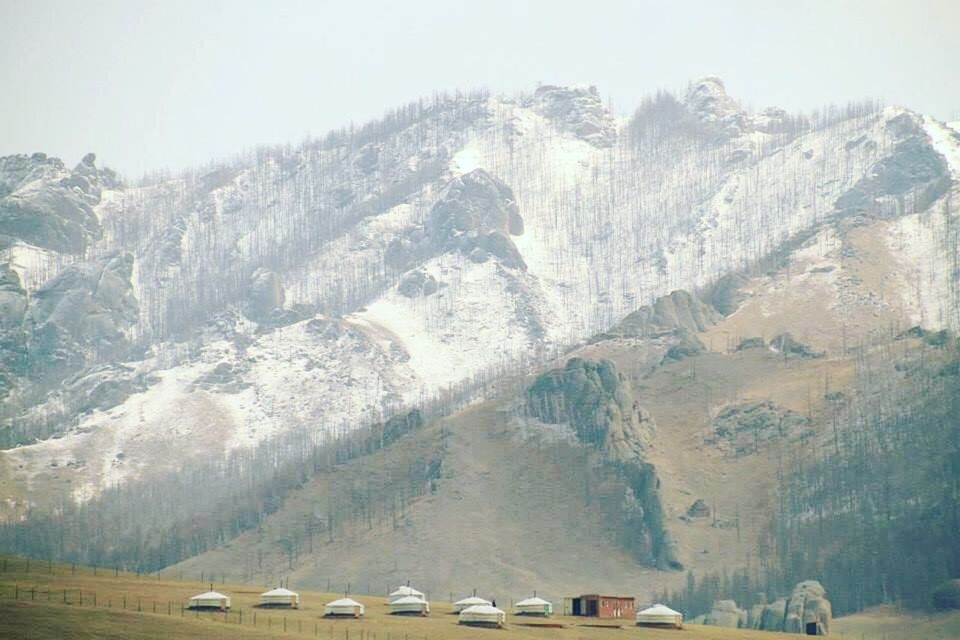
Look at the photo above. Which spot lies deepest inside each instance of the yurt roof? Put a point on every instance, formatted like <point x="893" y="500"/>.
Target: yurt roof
<point x="344" y="602"/>
<point x="659" y="610"/>
<point x="409" y="600"/>
<point x="406" y="591"/>
<point x="472" y="600"/>
<point x="484" y="608"/>
<point x="532" y="601"/>
<point x="279" y="591"/>
<point x="209" y="595"/>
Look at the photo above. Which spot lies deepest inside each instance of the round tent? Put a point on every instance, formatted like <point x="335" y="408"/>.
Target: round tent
<point x="483" y="615"/>
<point x="533" y="607"/>
<point x="344" y="607"/>
<point x="210" y="600"/>
<point x="405" y="591"/>
<point x="279" y="597"/>
<point x="460" y="605"/>
<point x="410" y="605"/>
<point x="660" y="616"/>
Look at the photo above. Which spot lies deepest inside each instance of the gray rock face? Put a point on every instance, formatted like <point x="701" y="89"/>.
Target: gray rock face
<point x="265" y="295"/>
<point x="13" y="299"/>
<point x="82" y="316"/>
<point x="679" y="310"/>
<point x="578" y="110"/>
<point x="593" y="398"/>
<point x="44" y="204"/>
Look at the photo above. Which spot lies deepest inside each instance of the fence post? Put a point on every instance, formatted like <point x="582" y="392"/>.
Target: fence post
<point x="64" y="596"/>
<point x="94" y="598"/>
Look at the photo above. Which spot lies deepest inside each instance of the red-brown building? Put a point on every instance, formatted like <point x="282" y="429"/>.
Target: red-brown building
<point x="597" y="606"/>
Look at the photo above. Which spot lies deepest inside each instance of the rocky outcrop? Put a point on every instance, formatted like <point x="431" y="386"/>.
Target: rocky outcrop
<point x="745" y="428"/>
<point x="717" y="112"/>
<point x="593" y="398"/>
<point x="806" y="611"/>
<point x="82" y="316"/>
<point x="909" y="179"/>
<point x="577" y="110"/>
<point x="678" y="310"/>
<point x="476" y="215"/>
<point x="46" y="205"/>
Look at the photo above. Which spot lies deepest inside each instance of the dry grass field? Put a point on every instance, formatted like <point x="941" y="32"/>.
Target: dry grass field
<point x="46" y="604"/>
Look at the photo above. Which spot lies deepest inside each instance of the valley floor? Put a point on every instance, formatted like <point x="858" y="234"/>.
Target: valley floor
<point x="887" y="622"/>
<point x="32" y="605"/>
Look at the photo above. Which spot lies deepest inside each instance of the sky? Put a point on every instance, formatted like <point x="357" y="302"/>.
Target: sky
<point x="170" y="85"/>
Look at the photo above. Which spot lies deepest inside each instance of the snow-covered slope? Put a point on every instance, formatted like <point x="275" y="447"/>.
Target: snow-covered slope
<point x="332" y="284"/>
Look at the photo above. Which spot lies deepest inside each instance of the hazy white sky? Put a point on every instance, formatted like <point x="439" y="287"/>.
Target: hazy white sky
<point x="150" y="85"/>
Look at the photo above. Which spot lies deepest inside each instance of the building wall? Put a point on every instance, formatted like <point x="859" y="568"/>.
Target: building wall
<point x="610" y="607"/>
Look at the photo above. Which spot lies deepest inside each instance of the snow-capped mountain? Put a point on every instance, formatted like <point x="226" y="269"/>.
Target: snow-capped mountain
<point x="329" y="285"/>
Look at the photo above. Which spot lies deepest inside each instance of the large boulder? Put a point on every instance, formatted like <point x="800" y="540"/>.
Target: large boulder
<point x="806" y="611"/>
<point x="265" y="295"/>
<point x="416" y="284"/>
<point x="725" y="613"/>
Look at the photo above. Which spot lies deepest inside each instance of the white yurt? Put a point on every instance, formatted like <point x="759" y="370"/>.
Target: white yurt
<point x="460" y="605"/>
<point x="533" y="607"/>
<point x="660" y="616"/>
<point x="483" y="615"/>
<point x="344" y="607"/>
<point x="280" y="597"/>
<point x="210" y="600"/>
<point x="410" y="605"/>
<point x="405" y="591"/>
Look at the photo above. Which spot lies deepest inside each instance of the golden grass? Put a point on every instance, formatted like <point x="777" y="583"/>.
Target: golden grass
<point x="47" y="617"/>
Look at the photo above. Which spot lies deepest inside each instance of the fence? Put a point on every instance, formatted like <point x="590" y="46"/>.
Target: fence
<point x="303" y="624"/>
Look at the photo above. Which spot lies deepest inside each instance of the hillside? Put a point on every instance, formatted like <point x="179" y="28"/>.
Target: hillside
<point x="458" y="343"/>
<point x="432" y="249"/>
